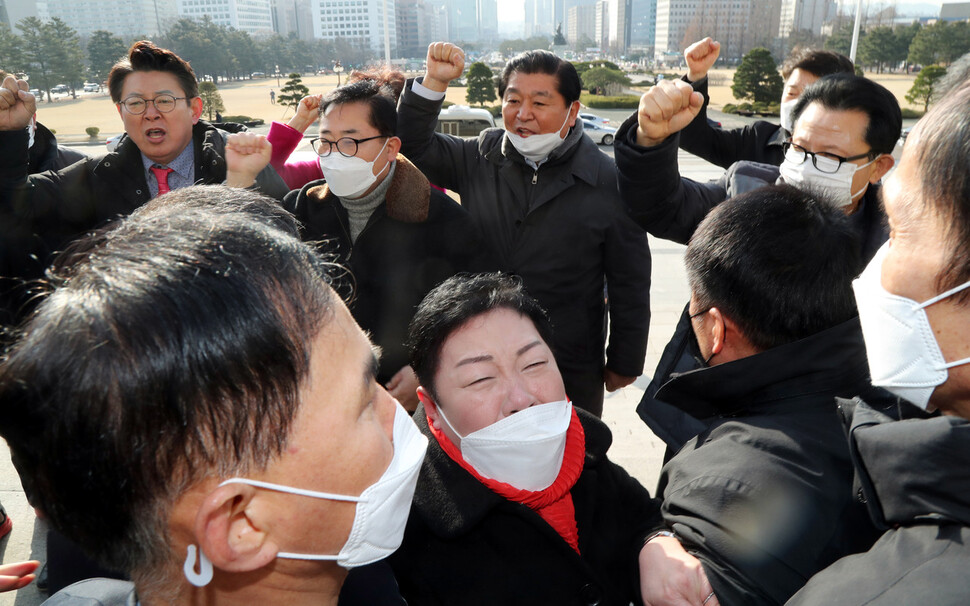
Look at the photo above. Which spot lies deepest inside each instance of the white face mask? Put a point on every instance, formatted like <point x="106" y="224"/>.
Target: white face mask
<point x="837" y="185"/>
<point x="786" y="114"/>
<point x="538" y="147"/>
<point x="382" y="509"/>
<point x="349" y="177"/>
<point x="524" y="449"/>
<point x="904" y="356"/>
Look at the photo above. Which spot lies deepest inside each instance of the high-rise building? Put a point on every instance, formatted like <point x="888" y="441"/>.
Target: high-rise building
<point x="12" y="11"/>
<point x="292" y="16"/>
<point x="540" y="18"/>
<point x="356" y="20"/>
<point x="252" y="16"/>
<point x="620" y="23"/>
<point x="123" y="18"/>
<point x="581" y="22"/>
<point x="601" y="26"/>
<point x="739" y="25"/>
<point x="805" y="15"/>
<point x="643" y="24"/>
<point x="488" y="20"/>
<point x="414" y="24"/>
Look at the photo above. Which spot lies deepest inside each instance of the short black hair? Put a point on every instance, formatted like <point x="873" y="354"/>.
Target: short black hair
<point x="377" y="96"/>
<point x="173" y="348"/>
<point x="844" y="92"/>
<point x="454" y="302"/>
<point x="568" y="83"/>
<point x="817" y="62"/>
<point x="777" y="261"/>
<point x="941" y="147"/>
<point x="145" y="56"/>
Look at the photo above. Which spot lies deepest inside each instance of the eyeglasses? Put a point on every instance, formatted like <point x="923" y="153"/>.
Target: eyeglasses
<point x="347" y="146"/>
<point x="138" y="106"/>
<point x="824" y="161"/>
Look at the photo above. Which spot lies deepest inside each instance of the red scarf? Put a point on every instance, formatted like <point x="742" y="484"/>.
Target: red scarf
<point x="555" y="503"/>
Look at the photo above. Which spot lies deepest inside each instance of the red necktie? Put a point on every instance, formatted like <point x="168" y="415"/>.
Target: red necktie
<point x="161" y="175"/>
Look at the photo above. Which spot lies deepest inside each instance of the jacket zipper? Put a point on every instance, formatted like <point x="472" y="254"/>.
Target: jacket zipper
<point x="535" y="176"/>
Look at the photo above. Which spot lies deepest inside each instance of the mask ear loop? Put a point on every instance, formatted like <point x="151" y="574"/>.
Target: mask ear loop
<point x="204" y="576"/>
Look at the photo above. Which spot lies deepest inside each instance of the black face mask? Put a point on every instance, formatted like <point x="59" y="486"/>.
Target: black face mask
<point x="694" y="347"/>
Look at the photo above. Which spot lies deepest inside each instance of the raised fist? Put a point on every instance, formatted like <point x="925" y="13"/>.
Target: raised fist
<point x="666" y="109"/>
<point x="700" y="57"/>
<point x="306" y="112"/>
<point x="446" y="62"/>
<point x="17" y="105"/>
<point x="246" y="155"/>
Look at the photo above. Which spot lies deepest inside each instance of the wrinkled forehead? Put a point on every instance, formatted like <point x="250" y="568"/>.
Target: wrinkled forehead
<point x="535" y="85"/>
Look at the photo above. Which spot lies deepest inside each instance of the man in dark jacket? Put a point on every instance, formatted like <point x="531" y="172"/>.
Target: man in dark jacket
<point x="397" y="235"/>
<point x="544" y="198"/>
<point x="760" y="141"/>
<point x="844" y="133"/>
<point x="913" y="303"/>
<point x="517" y="502"/>
<point x="156" y="94"/>
<point x="763" y="494"/>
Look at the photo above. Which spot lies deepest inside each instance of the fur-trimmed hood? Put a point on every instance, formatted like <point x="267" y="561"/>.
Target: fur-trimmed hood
<point x="407" y="200"/>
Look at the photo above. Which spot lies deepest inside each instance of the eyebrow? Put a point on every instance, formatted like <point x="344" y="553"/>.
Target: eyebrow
<point x="541" y="93"/>
<point x="488" y="358"/>
<point x="349" y="131"/>
<point x="158" y="92"/>
<point x="372" y="365"/>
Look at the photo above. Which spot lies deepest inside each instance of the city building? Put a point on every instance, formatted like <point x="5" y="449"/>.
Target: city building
<point x="739" y="25"/>
<point x="581" y="21"/>
<point x="123" y="18"/>
<point x="643" y="24"/>
<point x="805" y="15"/>
<point x="601" y="24"/>
<point x="252" y="16"/>
<point x="620" y="23"/>
<point x="293" y="16"/>
<point x="955" y="11"/>
<point x="359" y="20"/>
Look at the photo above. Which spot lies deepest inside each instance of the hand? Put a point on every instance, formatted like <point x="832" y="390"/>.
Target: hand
<point x="246" y="155"/>
<point x="17" y="105"/>
<point x="613" y="381"/>
<point x="306" y="113"/>
<point x="404" y="387"/>
<point x="669" y="576"/>
<point x="700" y="58"/>
<point x="446" y="62"/>
<point x="666" y="109"/>
<point x="17" y="575"/>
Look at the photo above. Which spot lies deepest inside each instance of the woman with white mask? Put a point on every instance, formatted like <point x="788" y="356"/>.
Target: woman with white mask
<point x="516" y="502"/>
<point x="761" y="140"/>
<point x="915" y="312"/>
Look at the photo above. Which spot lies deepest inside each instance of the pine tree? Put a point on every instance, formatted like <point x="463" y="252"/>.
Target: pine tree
<point x="922" y="89"/>
<point x="481" y="86"/>
<point x="211" y="99"/>
<point x="757" y="78"/>
<point x="292" y="91"/>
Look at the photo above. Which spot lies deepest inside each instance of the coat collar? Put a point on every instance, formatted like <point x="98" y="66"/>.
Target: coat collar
<point x="408" y="199"/>
<point x="913" y="470"/>
<point x="496" y="148"/>
<point x="831" y="361"/>
<point x="451" y="502"/>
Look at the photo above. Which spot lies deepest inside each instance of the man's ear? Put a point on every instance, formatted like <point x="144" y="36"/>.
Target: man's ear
<point x="393" y="148"/>
<point x="430" y="408"/>
<point x="196" y="104"/>
<point x="880" y="167"/>
<point x="227" y="533"/>
<point x="573" y="113"/>
<point x="718" y="328"/>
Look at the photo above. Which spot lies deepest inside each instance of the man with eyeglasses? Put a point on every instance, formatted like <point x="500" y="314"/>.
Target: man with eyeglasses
<point x="398" y="236"/>
<point x="845" y="128"/>
<point x="166" y="147"/>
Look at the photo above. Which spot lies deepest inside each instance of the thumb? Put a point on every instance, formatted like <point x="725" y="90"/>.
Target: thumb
<point x="696" y="103"/>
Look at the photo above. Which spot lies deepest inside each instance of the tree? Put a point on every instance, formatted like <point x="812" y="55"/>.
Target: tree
<point x="940" y="43"/>
<point x="104" y="49"/>
<point x="841" y="39"/>
<point x="211" y="99"/>
<point x="39" y="58"/>
<point x="604" y="78"/>
<point x="68" y="60"/>
<point x="11" y="50"/>
<point x="583" y="43"/>
<point x="292" y="91"/>
<point x="481" y="86"/>
<point x="878" y="48"/>
<point x="922" y="89"/>
<point x="757" y="78"/>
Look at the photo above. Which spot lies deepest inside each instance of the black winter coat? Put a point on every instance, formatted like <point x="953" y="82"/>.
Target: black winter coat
<point x="45" y="154"/>
<point x="756" y="142"/>
<point x="466" y="545"/>
<point x="671" y="207"/>
<point x="42" y="213"/>
<point x="915" y="477"/>
<point x="416" y="239"/>
<point x="561" y="228"/>
<point x="763" y="494"/>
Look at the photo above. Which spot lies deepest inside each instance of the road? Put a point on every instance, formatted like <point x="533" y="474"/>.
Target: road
<point x="634" y="446"/>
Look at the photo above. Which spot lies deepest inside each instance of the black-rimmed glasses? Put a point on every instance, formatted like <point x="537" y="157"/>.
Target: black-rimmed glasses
<point x="346" y="146"/>
<point x="824" y="161"/>
<point x="163" y="103"/>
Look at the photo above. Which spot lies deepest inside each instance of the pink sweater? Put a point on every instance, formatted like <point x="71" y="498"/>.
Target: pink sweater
<point x="296" y="172"/>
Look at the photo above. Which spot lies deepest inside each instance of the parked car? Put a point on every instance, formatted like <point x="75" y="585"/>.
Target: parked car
<point x="113" y="141"/>
<point x="594" y="119"/>
<point x="602" y="135"/>
<point x="60" y="89"/>
<point x="257" y="75"/>
<point x="36" y="92"/>
<point x="91" y="87"/>
<point x="464" y="121"/>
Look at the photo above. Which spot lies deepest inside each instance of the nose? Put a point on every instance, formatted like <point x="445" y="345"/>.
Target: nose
<point x="525" y="112"/>
<point x="519" y="397"/>
<point x="386" y="407"/>
<point x="151" y="112"/>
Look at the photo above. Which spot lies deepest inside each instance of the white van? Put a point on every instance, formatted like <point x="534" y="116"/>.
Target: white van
<point x="464" y="121"/>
